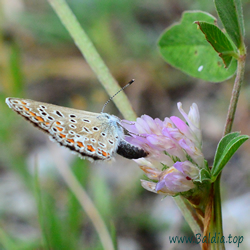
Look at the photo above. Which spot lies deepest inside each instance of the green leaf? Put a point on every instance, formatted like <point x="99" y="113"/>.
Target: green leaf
<point x="230" y="13"/>
<point x="219" y="41"/>
<point x="204" y="176"/>
<point x="185" y="47"/>
<point x="228" y="145"/>
<point x="222" y="145"/>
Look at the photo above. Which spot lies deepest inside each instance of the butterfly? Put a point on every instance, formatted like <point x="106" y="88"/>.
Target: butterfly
<point x="95" y="136"/>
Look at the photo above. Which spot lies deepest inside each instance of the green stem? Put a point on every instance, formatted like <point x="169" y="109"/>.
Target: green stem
<point x="94" y="60"/>
<point x="217" y="215"/>
<point x="235" y="95"/>
<point x="217" y="220"/>
<point x="231" y="53"/>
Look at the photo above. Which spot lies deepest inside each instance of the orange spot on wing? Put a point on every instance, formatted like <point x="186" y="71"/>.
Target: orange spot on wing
<point x="62" y="135"/>
<point x="60" y="129"/>
<point x="47" y="123"/>
<point x="80" y="144"/>
<point x="58" y="123"/>
<point x="71" y="140"/>
<point x="31" y="113"/>
<point x="104" y="153"/>
<point x="40" y="119"/>
<point x="24" y="103"/>
<point x="90" y="148"/>
<point x="25" y="108"/>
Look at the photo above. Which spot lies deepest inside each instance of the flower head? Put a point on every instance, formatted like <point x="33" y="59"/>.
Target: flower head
<point x="174" y="146"/>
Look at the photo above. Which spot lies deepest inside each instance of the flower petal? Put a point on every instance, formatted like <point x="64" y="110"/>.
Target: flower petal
<point x="152" y="173"/>
<point x="188" y="169"/>
<point x="183" y="127"/>
<point x="193" y="120"/>
<point x="192" y="151"/>
<point x="151" y="186"/>
<point x="154" y="125"/>
<point x="176" y="181"/>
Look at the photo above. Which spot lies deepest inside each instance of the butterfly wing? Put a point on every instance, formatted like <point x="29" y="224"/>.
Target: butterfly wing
<point x="92" y="135"/>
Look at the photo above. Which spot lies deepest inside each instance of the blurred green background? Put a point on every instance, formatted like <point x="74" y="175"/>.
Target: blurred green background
<point x="39" y="60"/>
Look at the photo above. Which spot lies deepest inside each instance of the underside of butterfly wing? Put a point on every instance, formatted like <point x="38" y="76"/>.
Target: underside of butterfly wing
<point x="91" y="135"/>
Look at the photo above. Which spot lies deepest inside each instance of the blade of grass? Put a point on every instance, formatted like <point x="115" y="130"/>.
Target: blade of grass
<point x="91" y="55"/>
<point x="38" y="196"/>
<point x="84" y="200"/>
<point x="6" y="242"/>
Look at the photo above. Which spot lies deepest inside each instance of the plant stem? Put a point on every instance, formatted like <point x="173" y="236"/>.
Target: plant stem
<point x="235" y="95"/>
<point x="217" y="214"/>
<point x="91" y="55"/>
<point x="190" y="215"/>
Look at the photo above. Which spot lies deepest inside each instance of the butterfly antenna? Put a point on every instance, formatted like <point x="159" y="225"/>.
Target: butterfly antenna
<point x="129" y="83"/>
